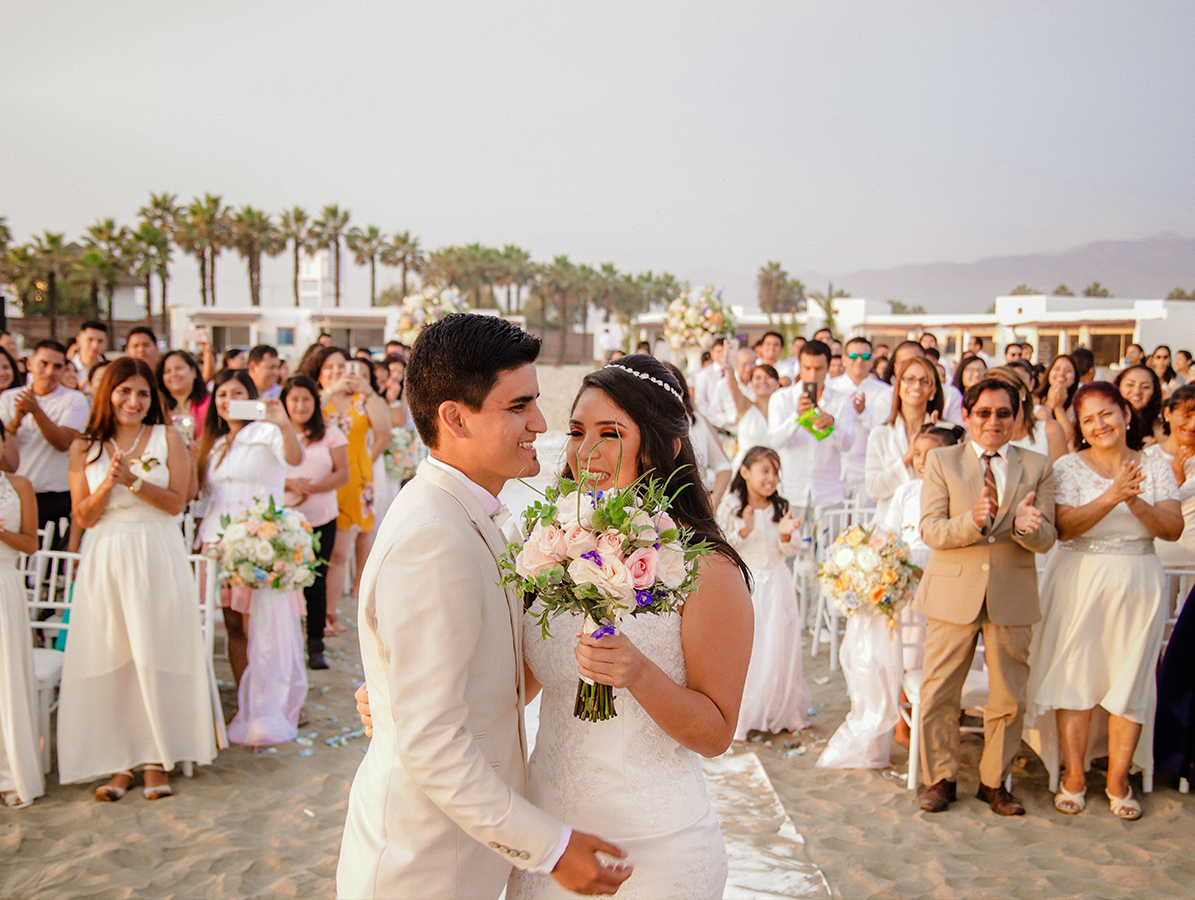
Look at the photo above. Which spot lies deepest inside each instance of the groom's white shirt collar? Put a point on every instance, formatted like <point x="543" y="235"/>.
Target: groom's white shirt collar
<point x="489" y="503"/>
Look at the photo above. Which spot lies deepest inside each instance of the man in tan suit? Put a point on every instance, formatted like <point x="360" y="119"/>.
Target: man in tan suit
<point x="986" y="508"/>
<point x="437" y="807"/>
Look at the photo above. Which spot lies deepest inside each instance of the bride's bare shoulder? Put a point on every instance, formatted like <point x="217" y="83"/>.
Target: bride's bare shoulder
<point x="720" y="582"/>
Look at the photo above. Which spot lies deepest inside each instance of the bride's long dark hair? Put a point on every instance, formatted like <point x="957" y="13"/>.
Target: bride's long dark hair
<point x="662" y="420"/>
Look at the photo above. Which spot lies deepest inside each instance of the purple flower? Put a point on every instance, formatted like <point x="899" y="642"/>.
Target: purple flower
<point x="593" y="556"/>
<point x="602" y="632"/>
<point x="644" y="598"/>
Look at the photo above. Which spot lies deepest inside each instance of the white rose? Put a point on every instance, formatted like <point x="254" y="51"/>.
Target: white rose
<point x="671" y="570"/>
<point x="612" y="577"/>
<point x="567" y="511"/>
<point x="867" y="558"/>
<point x="843" y="557"/>
<point x="264" y="552"/>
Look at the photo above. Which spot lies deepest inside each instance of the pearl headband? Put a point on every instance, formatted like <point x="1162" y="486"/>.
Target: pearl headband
<point x="664" y="384"/>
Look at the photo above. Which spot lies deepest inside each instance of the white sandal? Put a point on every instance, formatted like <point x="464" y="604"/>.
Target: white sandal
<point x="1077" y="801"/>
<point x="1126" y="807"/>
<point x="157" y="791"/>
<point x="13" y="800"/>
<point x="110" y="793"/>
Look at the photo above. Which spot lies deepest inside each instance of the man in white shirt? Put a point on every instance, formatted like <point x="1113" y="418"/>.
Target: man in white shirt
<point x="771" y="349"/>
<point x="142" y="344"/>
<point x="263" y="369"/>
<point x="870" y="397"/>
<point x="724" y="414"/>
<point x="706" y="380"/>
<point x="975" y="348"/>
<point x="92" y="342"/>
<point x="811" y="469"/>
<point x="45" y="417"/>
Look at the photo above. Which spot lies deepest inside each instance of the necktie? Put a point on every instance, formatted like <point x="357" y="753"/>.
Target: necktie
<point x="500" y="516"/>
<point x="989" y="477"/>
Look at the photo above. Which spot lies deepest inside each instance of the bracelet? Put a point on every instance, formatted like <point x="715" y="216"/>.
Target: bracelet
<point x="135" y="487"/>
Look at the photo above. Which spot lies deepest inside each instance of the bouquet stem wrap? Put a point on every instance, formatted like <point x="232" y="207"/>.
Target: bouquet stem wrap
<point x="595" y="702"/>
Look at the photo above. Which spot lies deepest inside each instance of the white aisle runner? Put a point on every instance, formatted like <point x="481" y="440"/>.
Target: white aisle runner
<point x="767" y="854"/>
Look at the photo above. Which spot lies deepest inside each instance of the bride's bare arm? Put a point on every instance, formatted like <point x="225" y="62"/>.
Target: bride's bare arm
<point x="716" y="633"/>
<point x="531" y="685"/>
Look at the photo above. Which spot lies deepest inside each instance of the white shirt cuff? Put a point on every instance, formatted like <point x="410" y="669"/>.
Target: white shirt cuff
<point x="546" y="867"/>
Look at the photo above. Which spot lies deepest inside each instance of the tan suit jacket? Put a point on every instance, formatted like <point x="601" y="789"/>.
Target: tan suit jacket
<point x="966" y="565"/>
<point x="436" y="808"/>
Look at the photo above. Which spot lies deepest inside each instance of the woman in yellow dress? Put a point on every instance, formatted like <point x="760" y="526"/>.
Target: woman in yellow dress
<point x="350" y="404"/>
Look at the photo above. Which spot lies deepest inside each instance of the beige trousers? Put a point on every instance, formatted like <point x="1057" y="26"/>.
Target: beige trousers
<point x="949" y="649"/>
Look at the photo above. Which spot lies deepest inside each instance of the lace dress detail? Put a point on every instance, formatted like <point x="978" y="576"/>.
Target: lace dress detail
<point x="623" y="779"/>
<point x="1076" y="483"/>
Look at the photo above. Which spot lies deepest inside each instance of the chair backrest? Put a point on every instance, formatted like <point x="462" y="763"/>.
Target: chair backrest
<point x="831" y="522"/>
<point x="28" y="564"/>
<point x="204" y="570"/>
<point x="55" y="569"/>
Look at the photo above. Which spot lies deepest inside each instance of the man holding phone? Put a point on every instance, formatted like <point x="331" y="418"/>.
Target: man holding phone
<point x="811" y="466"/>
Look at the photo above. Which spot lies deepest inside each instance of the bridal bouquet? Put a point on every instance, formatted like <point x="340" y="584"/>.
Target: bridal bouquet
<point x="424" y="307"/>
<point x="695" y="319"/>
<point x="868" y="567"/>
<point x="403" y="454"/>
<point x="603" y="554"/>
<point x="267" y="547"/>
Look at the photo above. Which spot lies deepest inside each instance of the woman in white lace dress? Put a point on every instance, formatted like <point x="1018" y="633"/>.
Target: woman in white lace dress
<point x="21" y="779"/>
<point x="1102" y="612"/>
<point x="636" y="779"/>
<point x="135" y="679"/>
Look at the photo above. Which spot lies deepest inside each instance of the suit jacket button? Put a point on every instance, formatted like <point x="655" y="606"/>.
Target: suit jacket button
<point x="494" y="845"/>
<point x="524" y="855"/>
<point x="985" y="567"/>
<point x="991" y="540"/>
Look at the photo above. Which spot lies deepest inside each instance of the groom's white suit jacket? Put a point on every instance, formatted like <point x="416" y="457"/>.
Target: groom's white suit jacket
<point x="437" y="807"/>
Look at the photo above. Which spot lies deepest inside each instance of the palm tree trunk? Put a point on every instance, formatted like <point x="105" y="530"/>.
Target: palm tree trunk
<point x="562" y="300"/>
<point x="52" y="299"/>
<point x="212" y="275"/>
<point x="296" y="281"/>
<point x="165" y="331"/>
<point x="149" y="299"/>
<point x="404" y="281"/>
<point x="109" y="290"/>
<point x="95" y="299"/>
<point x="373" y="297"/>
<point x="203" y="277"/>
<point x="336" y="260"/>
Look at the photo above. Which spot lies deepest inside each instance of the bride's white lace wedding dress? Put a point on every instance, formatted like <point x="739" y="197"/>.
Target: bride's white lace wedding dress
<point x="624" y="779"/>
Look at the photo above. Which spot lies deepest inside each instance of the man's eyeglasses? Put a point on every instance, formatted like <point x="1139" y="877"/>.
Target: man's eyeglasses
<point x="913" y="381"/>
<point x="863" y="356"/>
<point x="1002" y="413"/>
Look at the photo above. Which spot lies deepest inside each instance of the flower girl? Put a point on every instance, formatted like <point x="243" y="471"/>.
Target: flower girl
<point x="759" y="524"/>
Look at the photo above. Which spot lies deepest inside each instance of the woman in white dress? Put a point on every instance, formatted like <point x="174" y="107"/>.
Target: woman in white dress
<point x="753" y="414"/>
<point x="241" y="462"/>
<point x="917" y="400"/>
<point x="636" y="779"/>
<point x="21" y="780"/>
<point x="1029" y="432"/>
<point x="759" y="524"/>
<point x="1057" y="396"/>
<point x="1097" y="645"/>
<point x="135" y="679"/>
<point x="711" y="459"/>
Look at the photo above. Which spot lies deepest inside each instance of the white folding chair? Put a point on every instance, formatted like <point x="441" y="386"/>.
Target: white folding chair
<point x="830" y="523"/>
<point x="205" y="572"/>
<point x="56" y="571"/>
<point x="1180" y="581"/>
<point x="975" y="697"/>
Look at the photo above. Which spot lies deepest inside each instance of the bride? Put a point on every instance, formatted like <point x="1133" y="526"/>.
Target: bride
<point x="636" y="779"/>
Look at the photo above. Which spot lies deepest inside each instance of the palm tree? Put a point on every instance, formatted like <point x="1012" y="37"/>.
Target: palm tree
<point x="55" y="261"/>
<point x="517" y="273"/>
<point x="659" y="289"/>
<point x="254" y="233"/>
<point x="366" y="245"/>
<point x="1063" y="291"/>
<point x="164" y="213"/>
<point x="296" y="229"/>
<point x="1023" y="290"/>
<point x="403" y="251"/>
<point x="110" y="244"/>
<point x="326" y="232"/>
<point x="5" y="235"/>
<point x="204" y="233"/>
<point x="145" y="249"/>
<point x="1095" y="289"/>
<point x="826" y="302"/>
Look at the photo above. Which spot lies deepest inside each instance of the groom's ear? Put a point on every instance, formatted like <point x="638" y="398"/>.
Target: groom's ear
<point x="452" y="419"/>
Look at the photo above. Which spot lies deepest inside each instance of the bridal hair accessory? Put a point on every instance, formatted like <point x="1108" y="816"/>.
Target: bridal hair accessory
<point x="664" y="384"/>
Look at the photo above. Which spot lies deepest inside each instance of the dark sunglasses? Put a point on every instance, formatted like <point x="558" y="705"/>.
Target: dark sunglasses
<point x="1002" y="413"/>
<point x="863" y="356"/>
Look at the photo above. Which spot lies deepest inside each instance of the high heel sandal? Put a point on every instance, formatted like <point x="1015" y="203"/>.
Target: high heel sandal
<point x="110" y="793"/>
<point x="157" y="791"/>
<point x="13" y="800"/>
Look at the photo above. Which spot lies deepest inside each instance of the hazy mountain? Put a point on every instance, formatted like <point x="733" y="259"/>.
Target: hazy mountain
<point x="1148" y="268"/>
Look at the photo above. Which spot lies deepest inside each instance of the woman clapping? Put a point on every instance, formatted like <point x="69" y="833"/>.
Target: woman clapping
<point x="135" y="680"/>
<point x="1103" y="615"/>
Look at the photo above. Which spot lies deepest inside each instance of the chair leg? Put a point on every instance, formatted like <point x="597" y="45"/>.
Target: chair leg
<point x="818" y="616"/>
<point x="832" y="617"/>
<point x="188" y="769"/>
<point x="914" y="743"/>
<point x="1184" y="786"/>
<point x="1147" y="781"/>
<point x="1008" y="783"/>
<point x="43" y="703"/>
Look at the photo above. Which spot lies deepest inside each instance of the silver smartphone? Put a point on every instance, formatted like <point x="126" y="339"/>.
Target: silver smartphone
<point x="246" y="410"/>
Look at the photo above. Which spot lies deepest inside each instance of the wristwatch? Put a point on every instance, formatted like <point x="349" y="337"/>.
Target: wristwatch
<point x="135" y="487"/>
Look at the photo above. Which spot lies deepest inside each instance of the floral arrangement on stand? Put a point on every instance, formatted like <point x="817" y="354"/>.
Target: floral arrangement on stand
<point x="403" y="454"/>
<point x="603" y="555"/>
<point x="695" y="318"/>
<point x="423" y="307"/>
<point x="869" y="568"/>
<point x="267" y="547"/>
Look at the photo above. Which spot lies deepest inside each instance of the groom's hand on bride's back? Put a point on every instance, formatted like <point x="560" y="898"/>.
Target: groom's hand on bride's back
<point x="582" y="872"/>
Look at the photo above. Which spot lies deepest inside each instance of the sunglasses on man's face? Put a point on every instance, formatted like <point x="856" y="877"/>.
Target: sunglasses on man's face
<point x="1002" y="413"/>
<point x="863" y="356"/>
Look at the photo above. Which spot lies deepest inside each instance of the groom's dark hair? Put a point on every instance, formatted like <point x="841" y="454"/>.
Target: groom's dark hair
<point x="460" y="358"/>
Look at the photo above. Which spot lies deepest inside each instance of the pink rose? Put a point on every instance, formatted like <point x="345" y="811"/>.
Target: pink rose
<point x="609" y="543"/>
<point x="664" y="522"/>
<point x="643" y="526"/>
<point x="612" y="577"/>
<point x="878" y="540"/>
<point x="544" y="549"/>
<point x="642" y="566"/>
<point x="579" y="541"/>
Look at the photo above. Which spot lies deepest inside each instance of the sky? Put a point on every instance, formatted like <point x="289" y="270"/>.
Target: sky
<point x="696" y="138"/>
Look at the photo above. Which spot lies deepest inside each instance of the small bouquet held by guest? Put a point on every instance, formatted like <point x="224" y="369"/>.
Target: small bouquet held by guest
<point x="267" y="547"/>
<point x="603" y="554"/>
<point x="869" y="567"/>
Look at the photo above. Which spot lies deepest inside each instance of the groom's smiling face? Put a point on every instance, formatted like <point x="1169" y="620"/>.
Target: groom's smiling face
<point x="502" y="433"/>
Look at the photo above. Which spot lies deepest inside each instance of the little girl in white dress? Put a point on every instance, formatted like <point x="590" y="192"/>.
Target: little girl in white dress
<point x="759" y="524"/>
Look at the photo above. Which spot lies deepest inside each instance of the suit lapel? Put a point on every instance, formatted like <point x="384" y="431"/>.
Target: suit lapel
<point x="972" y="471"/>
<point x="1011" y="480"/>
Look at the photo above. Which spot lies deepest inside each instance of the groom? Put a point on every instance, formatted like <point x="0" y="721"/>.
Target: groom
<point x="436" y="808"/>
